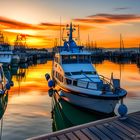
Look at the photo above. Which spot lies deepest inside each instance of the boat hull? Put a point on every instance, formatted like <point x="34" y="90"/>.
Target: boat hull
<point x="102" y="103"/>
<point x="93" y="104"/>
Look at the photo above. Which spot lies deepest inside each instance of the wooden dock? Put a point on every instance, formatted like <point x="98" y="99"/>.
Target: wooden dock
<point x="107" y="129"/>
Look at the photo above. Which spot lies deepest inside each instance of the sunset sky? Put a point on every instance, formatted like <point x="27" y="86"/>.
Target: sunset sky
<point x="101" y="20"/>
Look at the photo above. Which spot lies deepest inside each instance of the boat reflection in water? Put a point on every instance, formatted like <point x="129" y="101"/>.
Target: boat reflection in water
<point x="3" y="104"/>
<point x="67" y="115"/>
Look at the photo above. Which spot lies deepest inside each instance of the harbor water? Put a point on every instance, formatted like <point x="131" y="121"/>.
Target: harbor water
<point x="28" y="108"/>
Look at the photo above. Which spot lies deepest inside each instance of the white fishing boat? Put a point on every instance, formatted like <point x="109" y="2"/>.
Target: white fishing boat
<point x="79" y="82"/>
<point x="5" y="51"/>
<point x="5" y="54"/>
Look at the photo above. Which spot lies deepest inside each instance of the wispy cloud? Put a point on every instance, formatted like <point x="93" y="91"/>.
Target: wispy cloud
<point x="121" y="8"/>
<point x="10" y="24"/>
<point x="7" y="23"/>
<point x="54" y="26"/>
<point x="104" y="18"/>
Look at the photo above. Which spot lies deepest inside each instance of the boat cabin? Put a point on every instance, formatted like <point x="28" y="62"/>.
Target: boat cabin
<point x="73" y="58"/>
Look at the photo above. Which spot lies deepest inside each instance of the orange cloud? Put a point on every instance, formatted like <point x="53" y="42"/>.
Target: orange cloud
<point x="7" y="23"/>
<point x="104" y="18"/>
<point x="45" y="34"/>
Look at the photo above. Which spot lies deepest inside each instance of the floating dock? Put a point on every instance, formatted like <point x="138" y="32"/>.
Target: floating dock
<point x="114" y="128"/>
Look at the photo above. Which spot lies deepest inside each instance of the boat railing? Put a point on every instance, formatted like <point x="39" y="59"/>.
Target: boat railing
<point x="104" y="85"/>
<point x="59" y="49"/>
<point x="114" y="83"/>
<point x="107" y="81"/>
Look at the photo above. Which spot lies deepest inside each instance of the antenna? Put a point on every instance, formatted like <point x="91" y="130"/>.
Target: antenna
<point x="79" y="35"/>
<point x="60" y="31"/>
<point x="120" y="42"/>
<point x="88" y="42"/>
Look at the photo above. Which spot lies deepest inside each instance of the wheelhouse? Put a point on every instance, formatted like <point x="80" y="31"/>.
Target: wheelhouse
<point x="73" y="59"/>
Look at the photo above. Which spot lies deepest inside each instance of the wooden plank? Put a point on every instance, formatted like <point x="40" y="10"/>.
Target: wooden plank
<point x="131" y="125"/>
<point x="62" y="137"/>
<point x="71" y="136"/>
<point x="106" y="129"/>
<point x="80" y="135"/>
<point x="116" y="131"/>
<point x="135" y="113"/>
<point x="126" y="127"/>
<point x="125" y="131"/>
<point x="52" y="138"/>
<point x="135" y="120"/>
<point x="108" y="133"/>
<point x="136" y="117"/>
<point x="89" y="134"/>
<point x="98" y="133"/>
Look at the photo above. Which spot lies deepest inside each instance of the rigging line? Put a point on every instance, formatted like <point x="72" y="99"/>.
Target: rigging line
<point x="87" y="76"/>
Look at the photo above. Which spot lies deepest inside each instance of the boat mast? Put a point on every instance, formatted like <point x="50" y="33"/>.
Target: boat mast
<point x="79" y="43"/>
<point x="71" y="30"/>
<point x="120" y="42"/>
<point x="60" y="31"/>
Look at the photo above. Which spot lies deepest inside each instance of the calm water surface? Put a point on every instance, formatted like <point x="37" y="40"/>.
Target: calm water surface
<point x="28" y="111"/>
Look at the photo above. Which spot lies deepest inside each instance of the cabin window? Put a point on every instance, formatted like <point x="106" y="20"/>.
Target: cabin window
<point x="90" y="72"/>
<point x="81" y="58"/>
<point x="84" y="59"/>
<point x="65" y="59"/>
<point x="68" y="81"/>
<point x="87" y="58"/>
<point x="76" y="73"/>
<point x="67" y="73"/>
<point x="75" y="83"/>
<point x="57" y="60"/>
<point x="73" y="59"/>
<point x="59" y="77"/>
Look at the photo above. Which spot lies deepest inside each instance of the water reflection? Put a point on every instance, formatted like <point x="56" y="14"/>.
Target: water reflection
<point x="3" y="104"/>
<point x="66" y="115"/>
<point x="29" y="107"/>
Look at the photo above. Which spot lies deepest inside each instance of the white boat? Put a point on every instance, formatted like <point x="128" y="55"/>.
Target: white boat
<point x="5" y="50"/>
<point x="5" y="53"/>
<point x="81" y="85"/>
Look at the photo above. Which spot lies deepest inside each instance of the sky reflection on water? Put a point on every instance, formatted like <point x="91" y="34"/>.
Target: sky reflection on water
<point x="29" y="107"/>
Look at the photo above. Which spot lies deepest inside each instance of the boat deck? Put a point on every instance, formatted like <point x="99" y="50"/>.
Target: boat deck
<point x="107" y="129"/>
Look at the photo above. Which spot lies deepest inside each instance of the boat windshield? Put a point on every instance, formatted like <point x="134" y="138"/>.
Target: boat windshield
<point x="69" y="59"/>
<point x="85" y="72"/>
